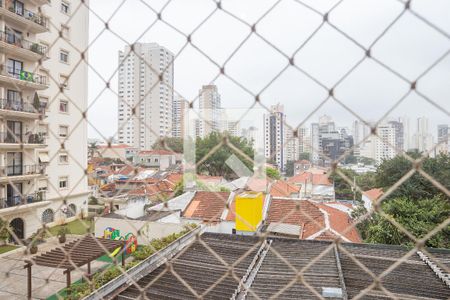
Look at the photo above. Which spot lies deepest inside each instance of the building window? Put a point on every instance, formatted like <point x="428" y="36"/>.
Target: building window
<point x="63" y="106"/>
<point x="64" y="56"/>
<point x="63" y="131"/>
<point x="63" y="182"/>
<point x="64" y="158"/>
<point x="64" y="81"/>
<point x="48" y="216"/>
<point x="65" y="31"/>
<point x="65" y="7"/>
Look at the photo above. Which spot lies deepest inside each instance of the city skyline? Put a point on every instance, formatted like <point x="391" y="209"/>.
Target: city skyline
<point x="377" y="88"/>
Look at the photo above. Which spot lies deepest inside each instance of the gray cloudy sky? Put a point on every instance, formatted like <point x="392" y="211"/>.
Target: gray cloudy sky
<point x="409" y="48"/>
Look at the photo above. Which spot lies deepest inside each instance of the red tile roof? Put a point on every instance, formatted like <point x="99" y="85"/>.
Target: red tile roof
<point x="207" y="206"/>
<point x="310" y="217"/>
<point x="281" y="188"/>
<point x="321" y="179"/>
<point x="308" y="177"/>
<point x="341" y="222"/>
<point x="297" y="212"/>
<point x="175" y="177"/>
<point x="156" y="152"/>
<point x="258" y="184"/>
<point x="374" y="194"/>
<point x="114" y="146"/>
<point x="300" y="178"/>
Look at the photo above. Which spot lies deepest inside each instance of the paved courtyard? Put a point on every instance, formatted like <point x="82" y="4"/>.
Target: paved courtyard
<point x="46" y="281"/>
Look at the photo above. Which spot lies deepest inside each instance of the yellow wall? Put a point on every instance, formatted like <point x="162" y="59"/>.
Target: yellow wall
<point x="249" y="207"/>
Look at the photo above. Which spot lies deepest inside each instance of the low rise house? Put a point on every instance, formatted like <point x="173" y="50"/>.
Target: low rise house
<point x="158" y="159"/>
<point x="316" y="186"/>
<point x="121" y="152"/>
<point x="370" y="196"/>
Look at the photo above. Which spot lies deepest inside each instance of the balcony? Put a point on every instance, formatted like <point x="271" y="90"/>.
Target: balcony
<point x="19" y="108"/>
<point x="23" y="78"/>
<point x="11" y="44"/>
<point x="20" y="172"/>
<point x="32" y="21"/>
<point x="18" y="200"/>
<point x="8" y="140"/>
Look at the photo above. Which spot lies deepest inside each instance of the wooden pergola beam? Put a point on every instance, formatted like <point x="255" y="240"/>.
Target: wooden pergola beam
<point x="76" y="253"/>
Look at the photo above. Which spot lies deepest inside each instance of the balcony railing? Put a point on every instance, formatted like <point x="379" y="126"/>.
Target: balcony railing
<point x="25" y="13"/>
<point x="22" y="199"/>
<point x="26" y="76"/>
<point x="12" y="39"/>
<point x="27" y="138"/>
<point x="20" y="170"/>
<point x="19" y="105"/>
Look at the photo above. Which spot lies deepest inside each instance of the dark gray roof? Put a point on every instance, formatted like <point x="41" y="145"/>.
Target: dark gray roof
<point x="323" y="265"/>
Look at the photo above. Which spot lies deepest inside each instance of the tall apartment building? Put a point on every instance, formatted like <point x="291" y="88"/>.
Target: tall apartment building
<point x="43" y="94"/>
<point x="304" y="137"/>
<point x="399" y="135"/>
<point x="145" y="97"/>
<point x="360" y="131"/>
<point x="443" y="139"/>
<point x="383" y="145"/>
<point x="423" y="140"/>
<point x="179" y="111"/>
<point x="275" y="135"/>
<point x="209" y="110"/>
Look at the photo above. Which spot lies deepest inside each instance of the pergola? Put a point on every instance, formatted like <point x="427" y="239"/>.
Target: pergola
<point x="75" y="254"/>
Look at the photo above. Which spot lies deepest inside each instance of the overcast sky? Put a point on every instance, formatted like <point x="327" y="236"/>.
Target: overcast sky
<point x="409" y="48"/>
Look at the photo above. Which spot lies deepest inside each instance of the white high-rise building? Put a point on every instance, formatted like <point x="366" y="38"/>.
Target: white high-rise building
<point x="145" y="94"/>
<point x="275" y="135"/>
<point x="179" y="111"/>
<point x="443" y="139"/>
<point x="360" y="131"/>
<point x="383" y="145"/>
<point x="423" y="140"/>
<point x="209" y="110"/>
<point x="304" y="137"/>
<point x="43" y="137"/>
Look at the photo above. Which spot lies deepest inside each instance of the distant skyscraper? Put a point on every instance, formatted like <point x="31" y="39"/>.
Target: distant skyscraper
<point x="304" y="138"/>
<point x="383" y="145"/>
<point x="360" y="131"/>
<point x="210" y="110"/>
<point x="443" y="138"/>
<point x="145" y="102"/>
<point x="423" y="140"/>
<point x="315" y="142"/>
<point x="399" y="135"/>
<point x="275" y="135"/>
<point x="179" y="110"/>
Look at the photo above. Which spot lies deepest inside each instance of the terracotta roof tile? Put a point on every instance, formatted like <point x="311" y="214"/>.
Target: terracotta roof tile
<point x="209" y="206"/>
<point x="297" y="212"/>
<point x="374" y="194"/>
<point x="282" y="188"/>
<point x="156" y="152"/>
<point x="341" y="222"/>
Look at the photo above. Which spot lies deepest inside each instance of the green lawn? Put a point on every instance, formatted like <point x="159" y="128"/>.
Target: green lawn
<point x="7" y="248"/>
<point x="75" y="227"/>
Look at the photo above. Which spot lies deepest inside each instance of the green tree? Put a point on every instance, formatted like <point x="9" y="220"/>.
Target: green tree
<point x="273" y="173"/>
<point x="366" y="181"/>
<point x="214" y="163"/>
<point x="343" y="189"/>
<point x="416" y="186"/>
<point x="418" y="216"/>
<point x="289" y="168"/>
<point x="169" y="143"/>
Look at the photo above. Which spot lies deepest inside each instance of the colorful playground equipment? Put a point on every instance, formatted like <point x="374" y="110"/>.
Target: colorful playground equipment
<point x="114" y="234"/>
